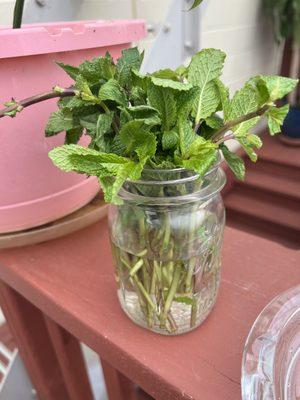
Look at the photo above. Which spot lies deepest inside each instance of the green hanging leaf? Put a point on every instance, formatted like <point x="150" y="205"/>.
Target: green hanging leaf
<point x="276" y="117"/>
<point x="112" y="91"/>
<point x="163" y="100"/>
<point x="205" y="67"/>
<point x="235" y="163"/>
<point x="59" y="121"/>
<point x="279" y="86"/>
<point x="136" y="137"/>
<point x="72" y="71"/>
<point x="131" y="60"/>
<point x="171" y="84"/>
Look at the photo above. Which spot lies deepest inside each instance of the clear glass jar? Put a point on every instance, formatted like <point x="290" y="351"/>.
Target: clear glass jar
<point x="166" y="239"/>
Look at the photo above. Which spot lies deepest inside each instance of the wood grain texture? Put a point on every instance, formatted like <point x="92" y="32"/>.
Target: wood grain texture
<point x="117" y="385"/>
<point x="72" y="281"/>
<point x="28" y="327"/>
<point x="71" y="362"/>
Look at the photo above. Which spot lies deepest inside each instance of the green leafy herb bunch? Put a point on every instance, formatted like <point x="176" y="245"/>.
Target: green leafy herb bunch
<point x="164" y="120"/>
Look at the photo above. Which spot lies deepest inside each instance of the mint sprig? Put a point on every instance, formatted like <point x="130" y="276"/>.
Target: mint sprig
<point x="166" y="119"/>
<point x="176" y="118"/>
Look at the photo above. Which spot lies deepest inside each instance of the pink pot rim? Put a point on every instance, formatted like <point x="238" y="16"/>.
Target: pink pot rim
<point x="53" y="196"/>
<point x="56" y="37"/>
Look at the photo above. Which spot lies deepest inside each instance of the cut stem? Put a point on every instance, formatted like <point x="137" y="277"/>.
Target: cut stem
<point x="230" y="124"/>
<point x="19" y="105"/>
<point x="18" y="14"/>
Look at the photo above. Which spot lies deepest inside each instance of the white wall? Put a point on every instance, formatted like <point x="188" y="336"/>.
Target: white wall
<point x="236" y="26"/>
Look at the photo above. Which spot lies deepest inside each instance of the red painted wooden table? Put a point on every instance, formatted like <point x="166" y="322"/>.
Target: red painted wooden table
<point x="58" y="292"/>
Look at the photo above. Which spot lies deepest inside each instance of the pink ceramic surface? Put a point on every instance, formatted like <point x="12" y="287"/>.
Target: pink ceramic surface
<point x="33" y="191"/>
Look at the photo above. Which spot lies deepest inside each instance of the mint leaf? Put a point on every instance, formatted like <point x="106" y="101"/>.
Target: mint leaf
<point x="276" y="117"/>
<point x="206" y="66"/>
<point x="246" y="100"/>
<point x="131" y="60"/>
<point x="249" y="143"/>
<point x="214" y="122"/>
<point x="147" y="114"/>
<point x="112" y="91"/>
<point x="171" y="84"/>
<point x="72" y="71"/>
<point x="163" y="100"/>
<point x="224" y="97"/>
<point x="169" y="140"/>
<point x="279" y="86"/>
<point x="135" y="136"/>
<point x="83" y="160"/>
<point x="235" y="163"/>
<point x="89" y="122"/>
<point x="195" y="4"/>
<point x="59" y="121"/>
<point x="186" y="135"/>
<point x="166" y="74"/>
<point x="100" y="68"/>
<point x="103" y="125"/>
<point x="199" y="155"/>
<point x="73" y="135"/>
<point x="85" y="91"/>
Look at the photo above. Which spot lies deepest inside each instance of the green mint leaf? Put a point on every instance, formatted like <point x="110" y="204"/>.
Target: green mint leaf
<point x="186" y="135"/>
<point x="98" y="69"/>
<point x="246" y="100"/>
<point x="200" y="155"/>
<point x="163" y="100"/>
<point x="181" y="71"/>
<point x="147" y="114"/>
<point x="185" y="102"/>
<point x="112" y="91"/>
<point x="214" y="122"/>
<point x="104" y="122"/>
<point x="169" y="140"/>
<point x="171" y="84"/>
<point x="195" y="4"/>
<point x="276" y="117"/>
<point x="72" y="103"/>
<point x="72" y="71"/>
<point x="85" y="91"/>
<point x="89" y="122"/>
<point x="278" y="86"/>
<point x="200" y="146"/>
<point x="224" y="97"/>
<point x="131" y="60"/>
<point x="130" y="170"/>
<point x="243" y="128"/>
<point x="206" y="66"/>
<point x="235" y="163"/>
<point x="83" y="160"/>
<point x="135" y="136"/>
<point x="249" y="143"/>
<point x="73" y="135"/>
<point x="166" y="74"/>
<point x="59" y="121"/>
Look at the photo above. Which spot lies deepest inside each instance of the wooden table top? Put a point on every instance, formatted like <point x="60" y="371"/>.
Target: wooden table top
<point x="71" y="280"/>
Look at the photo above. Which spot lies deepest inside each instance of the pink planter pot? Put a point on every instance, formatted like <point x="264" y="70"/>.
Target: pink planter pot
<point x="33" y="191"/>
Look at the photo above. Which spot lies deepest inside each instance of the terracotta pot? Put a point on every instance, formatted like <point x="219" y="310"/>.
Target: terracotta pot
<point x="33" y="191"/>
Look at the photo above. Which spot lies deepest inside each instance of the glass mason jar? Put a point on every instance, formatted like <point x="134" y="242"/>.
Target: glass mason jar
<point x="166" y="239"/>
